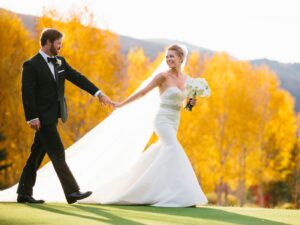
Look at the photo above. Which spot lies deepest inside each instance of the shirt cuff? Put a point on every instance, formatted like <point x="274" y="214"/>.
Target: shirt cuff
<point x="97" y="93"/>
<point x="32" y="120"/>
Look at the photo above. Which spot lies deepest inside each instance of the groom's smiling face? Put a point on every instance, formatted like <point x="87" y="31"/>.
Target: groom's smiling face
<point x="55" y="46"/>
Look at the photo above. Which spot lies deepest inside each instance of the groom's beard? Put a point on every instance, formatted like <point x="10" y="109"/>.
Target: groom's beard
<point x="53" y="50"/>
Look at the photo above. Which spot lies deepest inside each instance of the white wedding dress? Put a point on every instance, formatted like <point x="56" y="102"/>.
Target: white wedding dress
<point x="162" y="175"/>
<point x="109" y="160"/>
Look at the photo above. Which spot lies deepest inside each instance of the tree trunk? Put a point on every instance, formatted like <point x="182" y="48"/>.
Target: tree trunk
<point x="243" y="177"/>
<point x="297" y="186"/>
<point x="261" y="191"/>
<point x="241" y="192"/>
<point x="225" y="188"/>
<point x="220" y="191"/>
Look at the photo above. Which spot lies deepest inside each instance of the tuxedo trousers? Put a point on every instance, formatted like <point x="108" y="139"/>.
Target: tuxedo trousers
<point x="47" y="140"/>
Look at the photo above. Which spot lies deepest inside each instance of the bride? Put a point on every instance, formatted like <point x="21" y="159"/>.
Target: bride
<point x="110" y="160"/>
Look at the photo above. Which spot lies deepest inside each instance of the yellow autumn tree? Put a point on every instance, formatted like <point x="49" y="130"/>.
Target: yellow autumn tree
<point x="96" y="54"/>
<point x="275" y="135"/>
<point x="221" y="134"/>
<point x="294" y="177"/>
<point x="138" y="68"/>
<point x="16" y="46"/>
<point x="195" y="64"/>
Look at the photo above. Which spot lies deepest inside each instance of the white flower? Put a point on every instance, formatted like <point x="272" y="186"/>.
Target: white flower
<point x="197" y="87"/>
<point x="58" y="61"/>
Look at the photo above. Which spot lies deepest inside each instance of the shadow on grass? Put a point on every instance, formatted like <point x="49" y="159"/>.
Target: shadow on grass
<point x="212" y="214"/>
<point x="101" y="214"/>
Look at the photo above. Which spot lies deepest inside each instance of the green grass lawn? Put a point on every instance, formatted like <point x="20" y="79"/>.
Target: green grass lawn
<point x="88" y="214"/>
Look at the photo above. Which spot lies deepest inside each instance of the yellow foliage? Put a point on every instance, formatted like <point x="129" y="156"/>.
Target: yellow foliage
<point x="15" y="46"/>
<point x="96" y="54"/>
<point x="242" y="135"/>
<point x="247" y="126"/>
<point x="138" y="68"/>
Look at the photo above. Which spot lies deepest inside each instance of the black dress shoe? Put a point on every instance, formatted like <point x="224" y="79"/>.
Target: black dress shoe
<point x="28" y="199"/>
<point x="75" y="196"/>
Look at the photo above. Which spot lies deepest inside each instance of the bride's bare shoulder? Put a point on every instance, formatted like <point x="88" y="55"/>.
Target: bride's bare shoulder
<point x="162" y="75"/>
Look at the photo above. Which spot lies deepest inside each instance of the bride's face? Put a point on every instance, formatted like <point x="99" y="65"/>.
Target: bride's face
<point x="173" y="60"/>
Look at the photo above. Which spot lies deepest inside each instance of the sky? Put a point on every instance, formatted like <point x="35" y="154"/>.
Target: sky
<point x="246" y="29"/>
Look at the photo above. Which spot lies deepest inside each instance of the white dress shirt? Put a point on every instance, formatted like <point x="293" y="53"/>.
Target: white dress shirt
<point x="50" y="65"/>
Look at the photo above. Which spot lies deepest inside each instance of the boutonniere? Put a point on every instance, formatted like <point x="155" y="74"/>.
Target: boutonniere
<point x="58" y="62"/>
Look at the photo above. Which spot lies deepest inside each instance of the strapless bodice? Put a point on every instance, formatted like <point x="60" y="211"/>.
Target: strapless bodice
<point x="172" y="96"/>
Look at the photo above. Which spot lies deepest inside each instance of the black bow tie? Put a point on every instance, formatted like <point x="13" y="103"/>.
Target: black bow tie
<point x="52" y="59"/>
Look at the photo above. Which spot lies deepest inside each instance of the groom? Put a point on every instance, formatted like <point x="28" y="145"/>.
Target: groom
<point x="43" y="85"/>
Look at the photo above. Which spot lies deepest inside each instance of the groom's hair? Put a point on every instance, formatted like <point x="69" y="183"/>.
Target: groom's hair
<point x="51" y="35"/>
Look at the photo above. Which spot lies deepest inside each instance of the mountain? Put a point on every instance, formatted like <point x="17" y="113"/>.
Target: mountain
<point x="288" y="73"/>
<point x="151" y="49"/>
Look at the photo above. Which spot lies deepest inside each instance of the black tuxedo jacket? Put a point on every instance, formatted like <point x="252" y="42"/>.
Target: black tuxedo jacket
<point x="42" y="95"/>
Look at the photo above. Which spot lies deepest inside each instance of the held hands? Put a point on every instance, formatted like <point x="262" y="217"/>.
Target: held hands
<point x="104" y="100"/>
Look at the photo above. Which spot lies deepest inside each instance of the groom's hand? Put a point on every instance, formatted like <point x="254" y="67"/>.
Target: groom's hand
<point x="104" y="100"/>
<point x="35" y="124"/>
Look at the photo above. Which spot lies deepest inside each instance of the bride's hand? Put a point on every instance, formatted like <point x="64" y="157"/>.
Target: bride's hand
<point x="118" y="104"/>
<point x="193" y="101"/>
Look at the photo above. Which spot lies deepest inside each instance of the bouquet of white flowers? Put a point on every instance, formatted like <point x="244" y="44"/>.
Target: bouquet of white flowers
<point x="196" y="87"/>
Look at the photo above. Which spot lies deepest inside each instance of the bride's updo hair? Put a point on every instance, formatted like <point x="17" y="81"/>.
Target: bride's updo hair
<point x="179" y="51"/>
